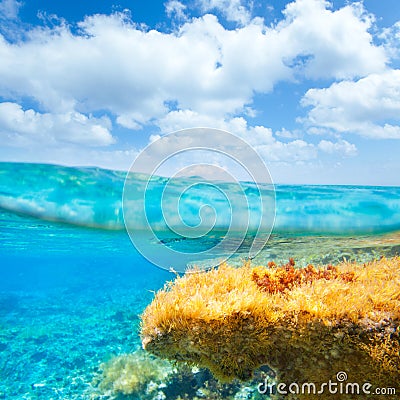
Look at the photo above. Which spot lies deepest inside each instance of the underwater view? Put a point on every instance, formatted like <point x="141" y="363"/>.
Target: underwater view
<point x="73" y="287"/>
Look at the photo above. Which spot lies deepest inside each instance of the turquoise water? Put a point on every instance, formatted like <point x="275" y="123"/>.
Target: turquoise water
<point x="73" y="286"/>
<point x="92" y="197"/>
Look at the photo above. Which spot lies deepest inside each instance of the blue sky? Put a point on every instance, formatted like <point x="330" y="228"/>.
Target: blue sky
<point x="313" y="86"/>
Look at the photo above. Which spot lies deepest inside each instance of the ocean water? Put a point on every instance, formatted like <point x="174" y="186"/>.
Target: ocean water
<point x="73" y="286"/>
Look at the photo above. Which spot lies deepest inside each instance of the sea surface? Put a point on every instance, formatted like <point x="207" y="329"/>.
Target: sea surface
<point x="73" y="286"/>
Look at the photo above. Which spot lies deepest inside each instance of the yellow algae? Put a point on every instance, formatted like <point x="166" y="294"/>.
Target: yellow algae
<point x="307" y="326"/>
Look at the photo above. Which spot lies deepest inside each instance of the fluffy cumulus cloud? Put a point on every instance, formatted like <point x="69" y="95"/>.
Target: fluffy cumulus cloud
<point x="233" y="10"/>
<point x="203" y="66"/>
<point x="9" y="8"/>
<point x="342" y="146"/>
<point x="175" y="8"/>
<point x="201" y="73"/>
<point x="262" y="139"/>
<point x="391" y="39"/>
<point x="20" y="127"/>
<point x="330" y="43"/>
<point x="369" y="106"/>
<point x="231" y="156"/>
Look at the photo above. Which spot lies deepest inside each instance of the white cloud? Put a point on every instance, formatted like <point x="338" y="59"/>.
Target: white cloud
<point x="200" y="74"/>
<point x="175" y="8"/>
<point x="20" y="127"/>
<point x="129" y="121"/>
<point x="233" y="10"/>
<point x="261" y="138"/>
<point x="391" y="38"/>
<point x="284" y="133"/>
<point x="181" y="119"/>
<point x="113" y="65"/>
<point x="296" y="151"/>
<point x="10" y="8"/>
<point x="369" y="107"/>
<point x="230" y="156"/>
<point x="330" y="43"/>
<point x="342" y="147"/>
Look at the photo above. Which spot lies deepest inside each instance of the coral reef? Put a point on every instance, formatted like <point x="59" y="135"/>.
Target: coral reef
<point x="306" y="325"/>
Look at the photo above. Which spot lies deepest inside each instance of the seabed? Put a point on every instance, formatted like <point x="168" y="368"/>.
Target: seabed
<point x="63" y="317"/>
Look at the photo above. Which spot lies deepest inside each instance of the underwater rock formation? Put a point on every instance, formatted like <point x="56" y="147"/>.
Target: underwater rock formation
<point x="129" y="374"/>
<point x="306" y="324"/>
<point x="140" y="375"/>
